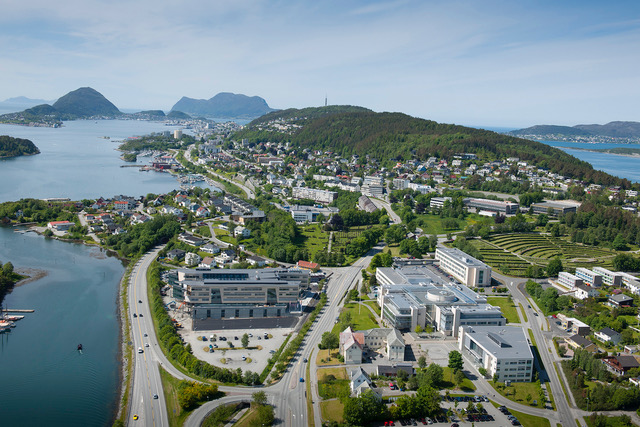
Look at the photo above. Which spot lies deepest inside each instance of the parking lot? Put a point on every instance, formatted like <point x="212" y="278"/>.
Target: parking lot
<point x="488" y="415"/>
<point x="227" y="347"/>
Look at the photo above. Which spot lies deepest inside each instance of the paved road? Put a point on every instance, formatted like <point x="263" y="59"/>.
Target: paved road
<point x="146" y="377"/>
<point x="395" y="219"/>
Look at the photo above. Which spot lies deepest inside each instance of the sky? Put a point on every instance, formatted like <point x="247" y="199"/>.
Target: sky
<point x="478" y="63"/>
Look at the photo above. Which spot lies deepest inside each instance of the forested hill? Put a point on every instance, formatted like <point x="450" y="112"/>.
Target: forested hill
<point x="12" y="147"/>
<point x="391" y="137"/>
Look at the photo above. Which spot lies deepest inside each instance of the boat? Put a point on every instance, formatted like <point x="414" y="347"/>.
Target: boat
<point x="79" y="347"/>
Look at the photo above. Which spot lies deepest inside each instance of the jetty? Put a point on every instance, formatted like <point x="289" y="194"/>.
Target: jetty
<point x="17" y="310"/>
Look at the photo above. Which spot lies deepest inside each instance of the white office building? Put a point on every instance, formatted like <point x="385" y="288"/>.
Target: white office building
<point x="438" y="202"/>
<point x="502" y="351"/>
<point x="589" y="277"/>
<point x="417" y="296"/>
<point x="321" y="196"/>
<point x="464" y="267"/>
<point x="240" y="293"/>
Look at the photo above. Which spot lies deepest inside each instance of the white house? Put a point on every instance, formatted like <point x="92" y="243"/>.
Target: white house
<point x="192" y="259"/>
<point x="241" y="231"/>
<point x="608" y="335"/>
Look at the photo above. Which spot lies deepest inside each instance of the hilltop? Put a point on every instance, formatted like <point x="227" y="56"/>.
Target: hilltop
<point x="78" y="104"/>
<point x="394" y="137"/>
<point x="13" y="147"/>
<point x="224" y="105"/>
<point x="626" y="131"/>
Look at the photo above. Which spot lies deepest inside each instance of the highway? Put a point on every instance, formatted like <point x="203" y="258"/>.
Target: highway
<point x="146" y="376"/>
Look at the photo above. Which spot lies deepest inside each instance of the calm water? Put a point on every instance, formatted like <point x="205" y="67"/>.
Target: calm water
<point x="44" y="380"/>
<point x="75" y="162"/>
<point x="622" y="166"/>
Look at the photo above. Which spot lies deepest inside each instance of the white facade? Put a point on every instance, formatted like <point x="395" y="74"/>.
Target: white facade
<point x="609" y="278"/>
<point x="438" y="202"/>
<point x="583" y="292"/>
<point x="568" y="280"/>
<point x="463" y="267"/>
<point x="192" y="259"/>
<point x="504" y="351"/>
<point x="322" y="196"/>
<point x="589" y="277"/>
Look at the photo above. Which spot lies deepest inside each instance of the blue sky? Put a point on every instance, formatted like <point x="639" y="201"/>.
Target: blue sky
<point x="491" y="63"/>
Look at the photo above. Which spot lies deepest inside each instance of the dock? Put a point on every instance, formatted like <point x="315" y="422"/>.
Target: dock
<point x="17" y="310"/>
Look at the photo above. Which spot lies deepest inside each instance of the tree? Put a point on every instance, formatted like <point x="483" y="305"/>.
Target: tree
<point x="265" y="415"/>
<point x="482" y="370"/>
<point x="259" y="398"/>
<point x="459" y="377"/>
<point x="455" y="360"/>
<point x="329" y="341"/>
<point x="245" y="340"/>
<point x="422" y="362"/>
<point x="554" y="267"/>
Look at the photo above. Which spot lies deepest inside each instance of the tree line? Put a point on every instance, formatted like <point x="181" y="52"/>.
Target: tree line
<point x="11" y="147"/>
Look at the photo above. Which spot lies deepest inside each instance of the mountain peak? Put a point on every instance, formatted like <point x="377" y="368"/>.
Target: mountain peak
<point x="224" y="105"/>
<point x="85" y="102"/>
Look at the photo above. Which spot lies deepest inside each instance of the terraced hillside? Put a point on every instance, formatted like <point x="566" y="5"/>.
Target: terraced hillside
<point x="513" y="253"/>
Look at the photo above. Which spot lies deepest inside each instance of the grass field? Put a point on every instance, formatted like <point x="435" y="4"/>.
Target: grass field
<point x="507" y="307"/>
<point x="361" y="317"/>
<point x="449" y="382"/>
<point x="518" y="392"/>
<point x="324" y="355"/>
<point x="177" y="416"/>
<point x="339" y="373"/>
<point x="332" y="410"/>
<point x="315" y="239"/>
<point x="335" y="388"/>
<point x="530" y="420"/>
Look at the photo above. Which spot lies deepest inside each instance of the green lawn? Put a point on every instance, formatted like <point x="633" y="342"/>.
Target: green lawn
<point x="518" y="392"/>
<point x="507" y="307"/>
<point x="449" y="382"/>
<point x="315" y="239"/>
<point x="332" y="410"/>
<point x="530" y="420"/>
<point x="204" y="231"/>
<point x="374" y="305"/>
<point x="177" y="416"/>
<point x="361" y="317"/>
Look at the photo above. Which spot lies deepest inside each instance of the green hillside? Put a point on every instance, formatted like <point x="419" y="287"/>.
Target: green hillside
<point x="85" y="102"/>
<point x="12" y="147"/>
<point x="392" y="137"/>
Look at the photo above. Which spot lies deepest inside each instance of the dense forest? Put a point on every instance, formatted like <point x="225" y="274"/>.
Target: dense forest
<point x="392" y="137"/>
<point x="11" y="147"/>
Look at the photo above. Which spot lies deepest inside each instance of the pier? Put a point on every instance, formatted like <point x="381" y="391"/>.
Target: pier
<point x="17" y="310"/>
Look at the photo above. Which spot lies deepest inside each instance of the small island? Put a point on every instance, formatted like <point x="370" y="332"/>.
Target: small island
<point x="13" y="147"/>
<point x="8" y="278"/>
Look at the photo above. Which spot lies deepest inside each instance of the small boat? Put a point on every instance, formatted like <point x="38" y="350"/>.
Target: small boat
<point x="79" y="347"/>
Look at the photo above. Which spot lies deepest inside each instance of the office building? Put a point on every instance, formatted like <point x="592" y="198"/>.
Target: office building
<point x="464" y="267"/>
<point x="554" y="208"/>
<point x="609" y="278"/>
<point x="240" y="293"/>
<point x="589" y="277"/>
<point x="568" y="280"/>
<point x="321" y="196"/>
<point x="502" y="351"/>
<point x="499" y="206"/>
<point x="417" y="296"/>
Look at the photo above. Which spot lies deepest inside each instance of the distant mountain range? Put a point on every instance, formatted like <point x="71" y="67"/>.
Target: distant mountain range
<point x="224" y="105"/>
<point x="86" y="102"/>
<point x="619" y="130"/>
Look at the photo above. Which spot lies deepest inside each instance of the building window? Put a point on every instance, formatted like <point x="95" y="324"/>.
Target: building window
<point x="237" y="313"/>
<point x="250" y="313"/>
<point x="222" y="313"/>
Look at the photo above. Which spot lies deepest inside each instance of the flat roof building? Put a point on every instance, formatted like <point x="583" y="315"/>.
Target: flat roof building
<point x="241" y="293"/>
<point x="322" y="196"/>
<point x="500" y="206"/>
<point x="502" y="351"/>
<point x="464" y="267"/>
<point x="417" y="296"/>
<point x="589" y="277"/>
<point x="609" y="278"/>
<point x="568" y="280"/>
<point x="554" y="208"/>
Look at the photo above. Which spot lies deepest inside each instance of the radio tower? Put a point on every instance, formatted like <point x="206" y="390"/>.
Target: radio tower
<point x="325" y="100"/>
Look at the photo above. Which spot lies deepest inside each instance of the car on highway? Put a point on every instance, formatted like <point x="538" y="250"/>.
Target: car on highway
<point x="135" y="417"/>
<point x="135" y="315"/>
<point x="140" y="301"/>
<point x="140" y="350"/>
<point x="155" y="396"/>
<point x="304" y="360"/>
<point x="145" y="334"/>
<point x="301" y="379"/>
<point x="146" y="344"/>
<point x="140" y="314"/>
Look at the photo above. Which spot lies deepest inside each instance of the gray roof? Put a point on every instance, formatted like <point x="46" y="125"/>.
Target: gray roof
<point x="502" y="341"/>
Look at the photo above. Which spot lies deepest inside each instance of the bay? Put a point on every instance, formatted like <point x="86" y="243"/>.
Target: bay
<point x="45" y="380"/>
<point x="76" y="161"/>
<point x="617" y="165"/>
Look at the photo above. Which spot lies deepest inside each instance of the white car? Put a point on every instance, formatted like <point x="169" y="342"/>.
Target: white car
<point x="140" y="350"/>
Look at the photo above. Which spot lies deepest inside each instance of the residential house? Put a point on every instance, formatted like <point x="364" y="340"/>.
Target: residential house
<point x="192" y="259"/>
<point x="351" y="346"/>
<point x="392" y="370"/>
<point x="225" y="257"/>
<point x="60" y="225"/>
<point x="620" y="300"/>
<point x="176" y="254"/>
<point x="241" y="231"/>
<point x="608" y="335"/>
<point x="190" y="239"/>
<point x="619" y="365"/>
<point x="210" y="248"/>
<point x="256" y="261"/>
<point x="359" y="382"/>
<point x="207" y="262"/>
<point x="583" y="292"/>
<point x="308" y="265"/>
<point x="579" y="342"/>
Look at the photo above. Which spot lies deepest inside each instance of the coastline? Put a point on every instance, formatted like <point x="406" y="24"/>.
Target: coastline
<point x="601" y="151"/>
